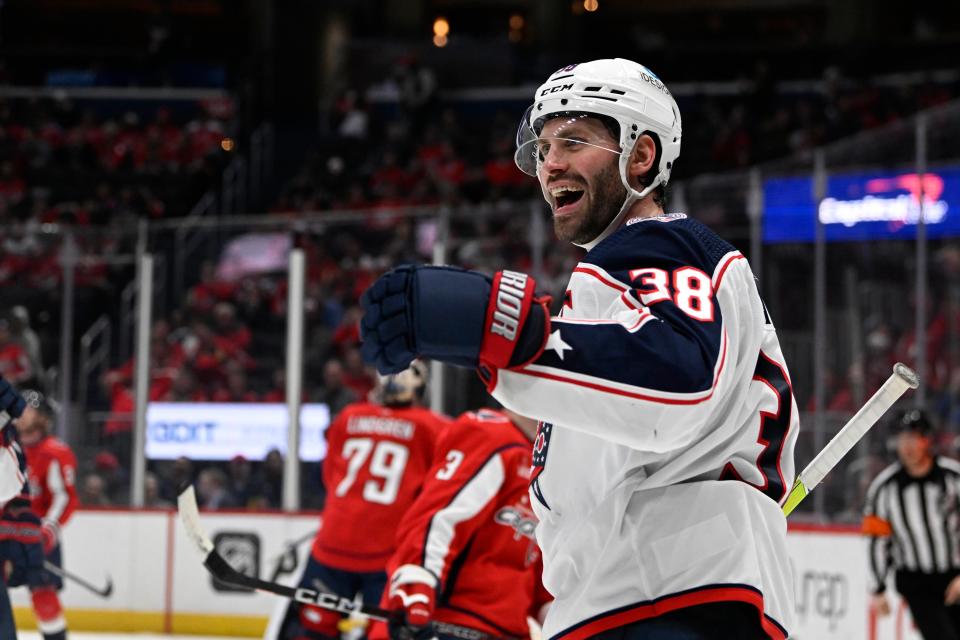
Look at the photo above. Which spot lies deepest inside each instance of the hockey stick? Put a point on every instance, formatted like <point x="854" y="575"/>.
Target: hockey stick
<point x="900" y="380"/>
<point x="220" y="569"/>
<point x="63" y="573"/>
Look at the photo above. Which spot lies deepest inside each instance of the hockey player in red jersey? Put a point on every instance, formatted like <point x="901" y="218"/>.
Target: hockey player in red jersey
<point x="466" y="553"/>
<point x="51" y="477"/>
<point x="377" y="455"/>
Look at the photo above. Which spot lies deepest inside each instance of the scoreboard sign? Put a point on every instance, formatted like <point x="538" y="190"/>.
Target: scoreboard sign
<point x="221" y="430"/>
<point x="863" y="206"/>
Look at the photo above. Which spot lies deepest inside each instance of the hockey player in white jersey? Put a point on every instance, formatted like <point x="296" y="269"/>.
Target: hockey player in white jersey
<point x="668" y="419"/>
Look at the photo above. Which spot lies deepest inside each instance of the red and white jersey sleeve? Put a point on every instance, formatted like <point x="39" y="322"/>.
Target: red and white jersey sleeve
<point x="472" y="526"/>
<point x="52" y="476"/>
<point x="376" y="461"/>
<point x="662" y="375"/>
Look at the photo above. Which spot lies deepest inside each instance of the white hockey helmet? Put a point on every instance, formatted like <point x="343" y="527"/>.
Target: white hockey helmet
<point x="620" y="89"/>
<point x="401" y="388"/>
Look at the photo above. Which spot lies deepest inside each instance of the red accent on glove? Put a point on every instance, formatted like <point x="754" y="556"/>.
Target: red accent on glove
<point x="511" y="299"/>
<point x="418" y="607"/>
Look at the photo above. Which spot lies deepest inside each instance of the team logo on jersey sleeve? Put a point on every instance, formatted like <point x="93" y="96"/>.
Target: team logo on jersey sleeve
<point x="540" y="447"/>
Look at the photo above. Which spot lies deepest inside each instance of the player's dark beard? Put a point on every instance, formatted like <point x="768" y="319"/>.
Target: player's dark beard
<point x="607" y="197"/>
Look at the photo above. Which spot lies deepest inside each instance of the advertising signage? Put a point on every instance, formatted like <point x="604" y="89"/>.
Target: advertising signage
<point x="220" y="431"/>
<point x="863" y="206"/>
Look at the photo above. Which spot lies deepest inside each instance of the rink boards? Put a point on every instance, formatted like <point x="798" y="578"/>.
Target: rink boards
<point x="160" y="585"/>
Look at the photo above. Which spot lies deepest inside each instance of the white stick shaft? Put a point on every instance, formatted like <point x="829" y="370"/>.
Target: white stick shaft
<point x="891" y="390"/>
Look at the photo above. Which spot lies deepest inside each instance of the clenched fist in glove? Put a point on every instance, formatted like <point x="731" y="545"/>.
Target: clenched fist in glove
<point x="453" y="315"/>
<point x="11" y="403"/>
<point x="412" y="594"/>
<point x="13" y="465"/>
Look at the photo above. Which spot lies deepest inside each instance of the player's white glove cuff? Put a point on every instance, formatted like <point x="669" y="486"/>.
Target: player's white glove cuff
<point x="412" y="574"/>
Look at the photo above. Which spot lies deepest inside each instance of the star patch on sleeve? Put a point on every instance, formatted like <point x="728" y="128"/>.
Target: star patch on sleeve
<point x="556" y="343"/>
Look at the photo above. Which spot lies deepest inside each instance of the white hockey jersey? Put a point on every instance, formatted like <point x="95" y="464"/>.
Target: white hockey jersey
<point x="667" y="435"/>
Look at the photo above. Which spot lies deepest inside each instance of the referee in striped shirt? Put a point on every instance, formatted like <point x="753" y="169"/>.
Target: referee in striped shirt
<point x="912" y="518"/>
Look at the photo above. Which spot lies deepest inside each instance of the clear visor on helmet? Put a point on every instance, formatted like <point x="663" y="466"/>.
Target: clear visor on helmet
<point x="567" y="134"/>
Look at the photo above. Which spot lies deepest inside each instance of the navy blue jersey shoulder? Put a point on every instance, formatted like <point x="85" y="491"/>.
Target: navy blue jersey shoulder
<point x="682" y="345"/>
<point x="668" y="239"/>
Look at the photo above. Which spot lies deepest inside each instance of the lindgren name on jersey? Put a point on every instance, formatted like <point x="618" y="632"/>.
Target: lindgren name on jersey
<point x="381" y="426"/>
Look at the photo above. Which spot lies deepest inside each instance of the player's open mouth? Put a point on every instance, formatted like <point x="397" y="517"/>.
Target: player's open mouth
<point x="566" y="197"/>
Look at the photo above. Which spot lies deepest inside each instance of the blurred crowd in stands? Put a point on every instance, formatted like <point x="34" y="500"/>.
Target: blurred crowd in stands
<point x="224" y="342"/>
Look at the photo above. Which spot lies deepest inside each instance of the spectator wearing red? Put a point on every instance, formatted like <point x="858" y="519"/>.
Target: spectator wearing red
<point x="14" y="360"/>
<point x="210" y="290"/>
<point x="232" y="335"/>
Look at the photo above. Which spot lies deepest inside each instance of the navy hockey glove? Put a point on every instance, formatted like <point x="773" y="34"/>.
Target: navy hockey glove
<point x="11" y="402"/>
<point x="21" y="546"/>
<point x="453" y="315"/>
<point x="13" y="464"/>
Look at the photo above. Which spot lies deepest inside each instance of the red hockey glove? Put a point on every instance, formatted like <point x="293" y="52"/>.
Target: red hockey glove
<point x="50" y="534"/>
<point x="412" y="593"/>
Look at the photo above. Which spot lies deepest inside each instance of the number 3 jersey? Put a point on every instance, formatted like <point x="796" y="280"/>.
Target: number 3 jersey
<point x="472" y="527"/>
<point x="376" y="460"/>
<point x="667" y="435"/>
<point x="51" y="478"/>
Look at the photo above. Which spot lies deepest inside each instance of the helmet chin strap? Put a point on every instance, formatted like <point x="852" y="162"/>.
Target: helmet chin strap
<point x="632" y="196"/>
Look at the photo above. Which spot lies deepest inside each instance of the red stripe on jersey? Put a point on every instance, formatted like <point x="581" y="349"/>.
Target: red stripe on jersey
<point x="645" y="610"/>
<point x="723" y="269"/>
<point x="631" y="394"/>
<point x="613" y="284"/>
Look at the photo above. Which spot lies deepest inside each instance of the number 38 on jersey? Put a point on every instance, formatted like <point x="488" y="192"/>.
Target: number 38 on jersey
<point x="688" y="287"/>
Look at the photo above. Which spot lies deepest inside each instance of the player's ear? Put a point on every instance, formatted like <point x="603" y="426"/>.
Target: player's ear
<point x="643" y="156"/>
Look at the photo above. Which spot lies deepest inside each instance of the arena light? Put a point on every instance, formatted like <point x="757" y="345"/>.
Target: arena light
<point x="516" y="28"/>
<point x="441" y="29"/>
<point x="591" y="5"/>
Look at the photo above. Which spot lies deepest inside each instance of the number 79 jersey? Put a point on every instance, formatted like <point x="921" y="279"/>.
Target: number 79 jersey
<point x="376" y="461"/>
<point x="667" y="435"/>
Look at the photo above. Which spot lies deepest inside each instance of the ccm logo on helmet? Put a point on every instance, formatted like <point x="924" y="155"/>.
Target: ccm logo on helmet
<point x="555" y="88"/>
<point x="506" y="318"/>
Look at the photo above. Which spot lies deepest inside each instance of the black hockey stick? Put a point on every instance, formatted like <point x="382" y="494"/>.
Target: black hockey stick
<point x="220" y="569"/>
<point x="63" y="573"/>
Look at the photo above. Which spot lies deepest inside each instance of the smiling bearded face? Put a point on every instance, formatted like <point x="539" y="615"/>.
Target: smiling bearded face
<point x="580" y="176"/>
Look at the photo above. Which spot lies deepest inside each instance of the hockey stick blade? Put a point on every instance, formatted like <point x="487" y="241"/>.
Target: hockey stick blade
<point x="63" y="573"/>
<point x="220" y="569"/>
<point x="902" y="378"/>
